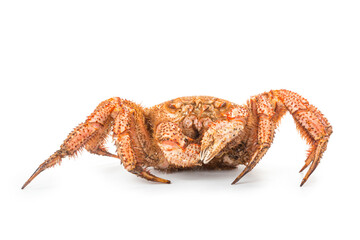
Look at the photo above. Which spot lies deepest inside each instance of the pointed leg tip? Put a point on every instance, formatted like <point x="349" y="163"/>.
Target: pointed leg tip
<point x="161" y="180"/>
<point x="242" y="174"/>
<point x="25" y="184"/>
<point x="303" y="168"/>
<point x="302" y="182"/>
<point x="235" y="181"/>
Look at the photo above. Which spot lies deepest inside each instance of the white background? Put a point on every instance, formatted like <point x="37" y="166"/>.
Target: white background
<point x="59" y="59"/>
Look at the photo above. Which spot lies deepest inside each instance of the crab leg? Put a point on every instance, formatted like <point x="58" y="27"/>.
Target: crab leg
<point x="92" y="133"/>
<point x="130" y="142"/>
<point x="80" y="136"/>
<point x="265" y="134"/>
<point x="311" y="123"/>
<point x="95" y="144"/>
<point x="313" y="126"/>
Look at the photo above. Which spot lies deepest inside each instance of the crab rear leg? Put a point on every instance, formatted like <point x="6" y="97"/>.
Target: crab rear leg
<point x="92" y="133"/>
<point x="80" y="136"/>
<point x="311" y="123"/>
<point x="129" y="146"/>
<point x="266" y="128"/>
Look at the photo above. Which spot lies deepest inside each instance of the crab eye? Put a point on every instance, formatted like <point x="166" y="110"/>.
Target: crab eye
<point x="174" y="106"/>
<point x="219" y="104"/>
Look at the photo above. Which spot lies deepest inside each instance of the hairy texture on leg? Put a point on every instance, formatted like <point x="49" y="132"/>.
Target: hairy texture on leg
<point x="80" y="136"/>
<point x="130" y="145"/>
<point x="96" y="144"/>
<point x="312" y="125"/>
<point x="265" y="132"/>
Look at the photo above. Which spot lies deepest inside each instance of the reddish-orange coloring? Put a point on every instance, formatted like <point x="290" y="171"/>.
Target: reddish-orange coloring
<point x="194" y="133"/>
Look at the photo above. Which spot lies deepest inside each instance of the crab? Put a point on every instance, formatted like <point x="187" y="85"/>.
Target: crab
<point x="193" y="133"/>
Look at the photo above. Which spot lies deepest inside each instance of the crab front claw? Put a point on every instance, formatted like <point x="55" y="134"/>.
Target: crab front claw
<point x="209" y="150"/>
<point x="217" y="137"/>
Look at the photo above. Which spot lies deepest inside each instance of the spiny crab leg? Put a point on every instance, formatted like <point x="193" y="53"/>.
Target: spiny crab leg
<point x="314" y="158"/>
<point x="80" y="136"/>
<point x="313" y="126"/>
<point x="265" y="134"/>
<point x="51" y="161"/>
<point x="255" y="160"/>
<point x="90" y="135"/>
<point x="115" y="114"/>
<point x="311" y="123"/>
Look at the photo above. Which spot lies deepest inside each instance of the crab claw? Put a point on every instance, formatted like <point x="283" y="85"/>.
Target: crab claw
<point x="217" y="137"/>
<point x="209" y="150"/>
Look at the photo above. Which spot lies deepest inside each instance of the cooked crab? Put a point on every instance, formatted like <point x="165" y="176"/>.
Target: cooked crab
<point x="194" y="133"/>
